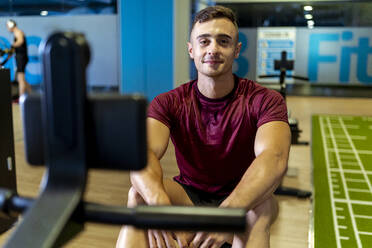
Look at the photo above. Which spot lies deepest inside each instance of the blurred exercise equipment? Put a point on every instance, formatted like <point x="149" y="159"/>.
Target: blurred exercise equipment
<point x="7" y="158"/>
<point x="284" y="65"/>
<point x="7" y="54"/>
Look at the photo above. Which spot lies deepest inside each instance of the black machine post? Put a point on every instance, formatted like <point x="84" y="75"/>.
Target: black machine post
<point x="283" y="65"/>
<point x="64" y="125"/>
<point x="6" y="55"/>
<point x="7" y="158"/>
<point x="80" y="132"/>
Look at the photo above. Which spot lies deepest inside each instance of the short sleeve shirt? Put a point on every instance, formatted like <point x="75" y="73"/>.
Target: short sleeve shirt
<point x="214" y="138"/>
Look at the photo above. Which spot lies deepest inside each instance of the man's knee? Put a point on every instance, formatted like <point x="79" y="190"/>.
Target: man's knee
<point x="134" y="198"/>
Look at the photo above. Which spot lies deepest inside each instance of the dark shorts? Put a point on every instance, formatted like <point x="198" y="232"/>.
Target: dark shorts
<point x="201" y="198"/>
<point x="21" y="62"/>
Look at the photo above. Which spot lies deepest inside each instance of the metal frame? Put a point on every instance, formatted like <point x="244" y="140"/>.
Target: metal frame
<point x="63" y="108"/>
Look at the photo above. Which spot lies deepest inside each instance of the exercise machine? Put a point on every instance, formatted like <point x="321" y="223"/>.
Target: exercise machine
<point x="70" y="133"/>
<point x="283" y="65"/>
<point x="6" y="55"/>
<point x="7" y="158"/>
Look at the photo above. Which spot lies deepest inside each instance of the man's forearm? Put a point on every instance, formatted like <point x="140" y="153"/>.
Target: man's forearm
<point x="259" y="181"/>
<point x="149" y="182"/>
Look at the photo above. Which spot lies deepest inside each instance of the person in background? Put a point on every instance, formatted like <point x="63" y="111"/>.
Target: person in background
<point x="231" y="139"/>
<point x="20" y="48"/>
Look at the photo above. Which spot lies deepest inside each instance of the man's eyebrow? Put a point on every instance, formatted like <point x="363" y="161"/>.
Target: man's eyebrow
<point x="209" y="35"/>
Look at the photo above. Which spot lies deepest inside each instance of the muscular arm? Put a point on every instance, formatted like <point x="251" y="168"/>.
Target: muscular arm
<point x="266" y="172"/>
<point x="149" y="181"/>
<point x="19" y="38"/>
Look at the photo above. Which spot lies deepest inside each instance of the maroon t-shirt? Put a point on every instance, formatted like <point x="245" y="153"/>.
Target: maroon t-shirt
<point x="214" y="138"/>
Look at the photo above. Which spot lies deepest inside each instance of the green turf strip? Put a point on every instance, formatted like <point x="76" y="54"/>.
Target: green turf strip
<point x="366" y="159"/>
<point x="360" y="196"/>
<point x="357" y="175"/>
<point x="341" y="156"/>
<point x="370" y="178"/>
<point x="324" y="235"/>
<point x="366" y="240"/>
<point x="357" y="185"/>
<point x="359" y="209"/>
<point x="364" y="224"/>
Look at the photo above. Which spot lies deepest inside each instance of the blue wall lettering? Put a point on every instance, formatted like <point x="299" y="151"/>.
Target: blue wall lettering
<point x="314" y="55"/>
<point x="345" y="63"/>
<point x="362" y="51"/>
<point x="33" y="76"/>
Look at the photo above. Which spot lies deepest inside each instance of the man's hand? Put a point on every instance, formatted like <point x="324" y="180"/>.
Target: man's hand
<point x="183" y="238"/>
<point x="165" y="239"/>
<point x="212" y="240"/>
<point x="161" y="239"/>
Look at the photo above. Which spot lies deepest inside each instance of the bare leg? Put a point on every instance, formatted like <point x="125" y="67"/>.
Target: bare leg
<point x="259" y="221"/>
<point x="132" y="237"/>
<point x="24" y="87"/>
<point x="178" y="196"/>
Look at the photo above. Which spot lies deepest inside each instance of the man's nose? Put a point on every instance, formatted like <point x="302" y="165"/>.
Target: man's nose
<point x="213" y="48"/>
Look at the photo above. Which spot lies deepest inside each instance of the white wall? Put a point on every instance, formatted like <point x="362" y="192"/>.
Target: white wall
<point x="181" y="60"/>
<point x="100" y="31"/>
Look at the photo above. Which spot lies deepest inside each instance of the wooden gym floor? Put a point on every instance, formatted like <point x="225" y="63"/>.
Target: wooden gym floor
<point x="110" y="187"/>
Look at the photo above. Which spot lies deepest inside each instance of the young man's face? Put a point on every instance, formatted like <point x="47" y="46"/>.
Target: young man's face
<point x="213" y="46"/>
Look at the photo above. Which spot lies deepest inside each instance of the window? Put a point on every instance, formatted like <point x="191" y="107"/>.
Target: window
<point x="327" y="14"/>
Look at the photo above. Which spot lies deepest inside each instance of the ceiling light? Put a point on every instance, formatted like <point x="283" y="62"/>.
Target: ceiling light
<point x="44" y="13"/>
<point x="308" y="16"/>
<point x="308" y="8"/>
<point x="310" y="24"/>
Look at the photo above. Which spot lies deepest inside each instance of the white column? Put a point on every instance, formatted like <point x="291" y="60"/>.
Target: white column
<point x="181" y="60"/>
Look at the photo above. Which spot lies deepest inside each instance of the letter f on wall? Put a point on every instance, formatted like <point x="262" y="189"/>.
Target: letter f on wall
<point x="315" y="58"/>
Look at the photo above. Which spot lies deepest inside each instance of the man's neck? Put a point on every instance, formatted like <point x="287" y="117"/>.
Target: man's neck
<point x="216" y="87"/>
<point x="15" y="30"/>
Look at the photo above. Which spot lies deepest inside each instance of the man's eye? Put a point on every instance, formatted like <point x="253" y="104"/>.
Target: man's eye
<point x="224" y="41"/>
<point x="203" y="42"/>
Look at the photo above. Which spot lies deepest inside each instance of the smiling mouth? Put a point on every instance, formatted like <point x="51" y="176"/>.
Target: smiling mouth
<point x="213" y="62"/>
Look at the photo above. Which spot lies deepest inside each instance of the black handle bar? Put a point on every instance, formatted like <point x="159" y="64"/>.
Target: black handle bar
<point x="146" y="217"/>
<point x="287" y="76"/>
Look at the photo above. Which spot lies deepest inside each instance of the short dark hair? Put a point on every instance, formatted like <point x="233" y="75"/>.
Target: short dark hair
<point x="213" y="12"/>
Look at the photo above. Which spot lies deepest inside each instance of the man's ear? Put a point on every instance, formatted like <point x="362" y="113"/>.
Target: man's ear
<point x="237" y="49"/>
<point x="189" y="49"/>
